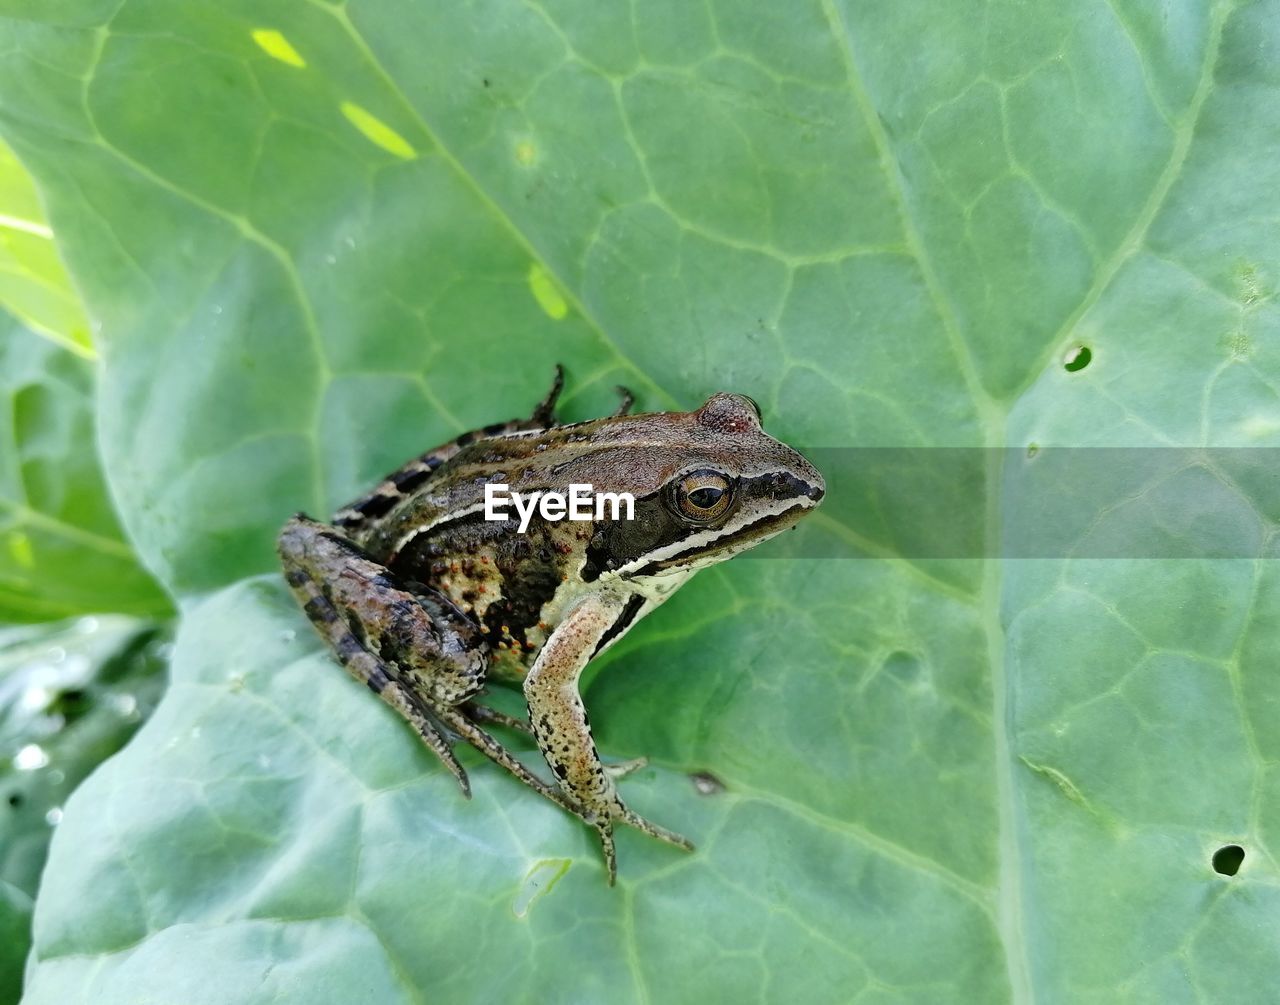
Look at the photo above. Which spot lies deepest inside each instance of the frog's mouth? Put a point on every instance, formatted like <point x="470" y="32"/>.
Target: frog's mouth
<point x="718" y="548"/>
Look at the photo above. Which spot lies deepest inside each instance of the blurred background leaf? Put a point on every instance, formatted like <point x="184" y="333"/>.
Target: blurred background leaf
<point x="71" y="694"/>
<point x="34" y="285"/>
<point x="62" y="550"/>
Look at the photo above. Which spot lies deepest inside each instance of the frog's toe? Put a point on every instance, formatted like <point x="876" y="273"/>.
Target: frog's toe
<point x="624" y="768"/>
<point x="604" y="828"/>
<point x="545" y="413"/>
<point x="653" y="830"/>
<point x="483" y="713"/>
<point x="450" y="761"/>
<point x="625" y="400"/>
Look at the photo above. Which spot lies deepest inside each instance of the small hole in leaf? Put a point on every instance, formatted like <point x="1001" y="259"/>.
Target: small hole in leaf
<point x="1077" y="359"/>
<point x="1227" y="859"/>
<point x="706" y="783"/>
<point x="15" y="799"/>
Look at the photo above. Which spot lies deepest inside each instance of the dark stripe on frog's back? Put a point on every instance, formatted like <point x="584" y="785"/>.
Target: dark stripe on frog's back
<point x="359" y="516"/>
<point x="527" y="569"/>
<point x="513" y="457"/>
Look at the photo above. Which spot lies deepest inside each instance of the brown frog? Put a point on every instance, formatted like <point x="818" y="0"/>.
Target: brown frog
<point x="427" y="585"/>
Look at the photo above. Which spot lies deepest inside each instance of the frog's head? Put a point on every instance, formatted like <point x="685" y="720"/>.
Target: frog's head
<point x="726" y="485"/>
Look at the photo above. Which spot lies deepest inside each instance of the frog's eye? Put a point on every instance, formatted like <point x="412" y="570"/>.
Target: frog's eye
<point x="703" y="495"/>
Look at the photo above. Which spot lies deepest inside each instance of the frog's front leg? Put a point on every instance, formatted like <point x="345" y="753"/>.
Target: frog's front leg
<point x="560" y="725"/>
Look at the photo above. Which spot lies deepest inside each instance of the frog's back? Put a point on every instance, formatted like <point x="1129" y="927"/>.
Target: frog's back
<point x="623" y="453"/>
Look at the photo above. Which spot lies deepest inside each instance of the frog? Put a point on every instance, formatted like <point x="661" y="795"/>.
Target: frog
<point x="425" y="594"/>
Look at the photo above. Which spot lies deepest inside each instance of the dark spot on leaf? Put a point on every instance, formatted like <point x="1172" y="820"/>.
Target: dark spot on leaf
<point x="903" y="665"/>
<point x="1227" y="859"/>
<point x="706" y="783"/>
<point x="15" y="799"/>
<point x="1077" y="359"/>
<point x="71" y="704"/>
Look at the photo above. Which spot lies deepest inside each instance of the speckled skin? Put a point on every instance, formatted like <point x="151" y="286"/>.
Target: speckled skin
<point x="421" y="598"/>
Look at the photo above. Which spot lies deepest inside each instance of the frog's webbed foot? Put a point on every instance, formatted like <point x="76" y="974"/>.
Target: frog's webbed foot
<point x="462" y="720"/>
<point x="604" y="830"/>
<point x="624" y="768"/>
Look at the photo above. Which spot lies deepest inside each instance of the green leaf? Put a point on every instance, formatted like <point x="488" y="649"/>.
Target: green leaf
<point x="15" y="927"/>
<point x="33" y="282"/>
<point x="321" y="238"/>
<point x="61" y="548"/>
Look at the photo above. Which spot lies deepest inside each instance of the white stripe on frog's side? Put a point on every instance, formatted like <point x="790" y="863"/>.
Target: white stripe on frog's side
<point x="442" y="519"/>
<point x="704" y="541"/>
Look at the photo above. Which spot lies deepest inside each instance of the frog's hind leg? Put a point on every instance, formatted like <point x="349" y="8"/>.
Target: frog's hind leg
<point x="460" y="722"/>
<point x="395" y="695"/>
<point x="483" y="713"/>
<point x="407" y="642"/>
<point x="377" y="676"/>
<point x="360" y="612"/>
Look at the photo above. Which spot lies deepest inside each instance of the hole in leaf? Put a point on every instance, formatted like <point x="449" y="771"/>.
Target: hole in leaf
<point x="706" y="783"/>
<point x="15" y="799"/>
<point x="1077" y="359"/>
<point x="1227" y="859"/>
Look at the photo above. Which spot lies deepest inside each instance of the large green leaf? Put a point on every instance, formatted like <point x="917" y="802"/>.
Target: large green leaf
<point x="61" y="548"/>
<point x="321" y="237"/>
